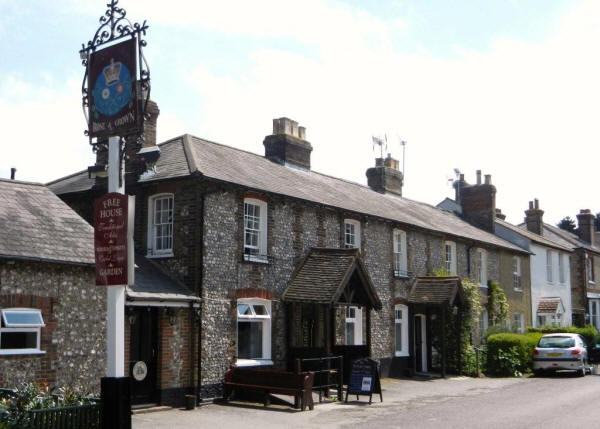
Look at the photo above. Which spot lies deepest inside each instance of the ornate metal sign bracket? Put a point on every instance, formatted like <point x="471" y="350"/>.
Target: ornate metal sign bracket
<point x="115" y="26"/>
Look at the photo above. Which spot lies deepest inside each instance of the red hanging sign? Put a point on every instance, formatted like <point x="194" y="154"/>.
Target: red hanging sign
<point x="110" y="239"/>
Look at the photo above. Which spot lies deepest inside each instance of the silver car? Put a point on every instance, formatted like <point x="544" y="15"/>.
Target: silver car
<point x="556" y="352"/>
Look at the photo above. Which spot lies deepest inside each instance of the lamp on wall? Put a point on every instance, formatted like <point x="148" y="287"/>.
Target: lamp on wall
<point x="171" y="314"/>
<point x="131" y="316"/>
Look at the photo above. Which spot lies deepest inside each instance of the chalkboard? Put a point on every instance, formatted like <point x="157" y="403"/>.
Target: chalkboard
<point x="364" y="379"/>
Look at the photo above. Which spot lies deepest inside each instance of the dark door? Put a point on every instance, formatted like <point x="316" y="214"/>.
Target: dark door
<point x="418" y="345"/>
<point x="143" y="354"/>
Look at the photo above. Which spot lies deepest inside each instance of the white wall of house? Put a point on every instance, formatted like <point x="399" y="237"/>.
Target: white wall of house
<point x="542" y="287"/>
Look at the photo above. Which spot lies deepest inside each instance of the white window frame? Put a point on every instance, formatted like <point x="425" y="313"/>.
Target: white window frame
<point x="518" y="322"/>
<point x="266" y="330"/>
<point x="517" y="286"/>
<point x="354" y="317"/>
<point x="590" y="269"/>
<point x="562" y="278"/>
<point x="152" y="250"/>
<point x="400" y="255"/>
<point x="549" y="267"/>
<point x="594" y="312"/>
<point x="483" y="322"/>
<point x="450" y="264"/>
<point x="402" y="311"/>
<point x="7" y="327"/>
<point x="351" y="234"/>
<point x="259" y="252"/>
<point x="481" y="267"/>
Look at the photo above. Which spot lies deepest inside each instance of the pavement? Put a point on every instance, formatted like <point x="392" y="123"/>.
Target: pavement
<point x="400" y="396"/>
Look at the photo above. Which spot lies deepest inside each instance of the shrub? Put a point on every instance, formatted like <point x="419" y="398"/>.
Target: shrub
<point x="510" y="354"/>
<point x="588" y="332"/>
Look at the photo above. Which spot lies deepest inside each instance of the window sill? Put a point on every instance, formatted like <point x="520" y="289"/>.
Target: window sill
<point x="518" y="290"/>
<point x="253" y="362"/>
<point x="22" y="352"/>
<point x="159" y="255"/>
<point x="260" y="259"/>
<point x="401" y="354"/>
<point x="402" y="274"/>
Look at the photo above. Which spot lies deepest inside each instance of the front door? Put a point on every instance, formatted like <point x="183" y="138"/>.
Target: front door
<point x="143" y="354"/>
<point x="420" y="336"/>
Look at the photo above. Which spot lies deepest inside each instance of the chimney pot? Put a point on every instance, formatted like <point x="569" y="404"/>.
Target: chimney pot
<point x="13" y="172"/>
<point x="462" y="177"/>
<point x="287" y="144"/>
<point x="478" y="172"/>
<point x="536" y="204"/>
<point x="488" y="179"/>
<point x="534" y="217"/>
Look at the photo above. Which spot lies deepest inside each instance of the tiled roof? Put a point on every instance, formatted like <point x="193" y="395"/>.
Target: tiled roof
<point x="435" y="290"/>
<point x="77" y="182"/>
<point x="153" y="284"/>
<point x="187" y="155"/>
<point x="536" y="238"/>
<point x="568" y="239"/>
<point x="548" y="305"/>
<point x="35" y="224"/>
<point x="324" y="275"/>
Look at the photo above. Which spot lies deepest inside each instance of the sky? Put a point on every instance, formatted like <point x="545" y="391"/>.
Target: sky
<point x="511" y="87"/>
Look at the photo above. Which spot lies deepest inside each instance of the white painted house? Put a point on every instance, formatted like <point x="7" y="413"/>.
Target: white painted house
<point x="550" y="268"/>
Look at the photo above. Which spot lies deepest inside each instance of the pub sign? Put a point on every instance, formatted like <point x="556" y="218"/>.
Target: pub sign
<point x="113" y="106"/>
<point x="113" y="239"/>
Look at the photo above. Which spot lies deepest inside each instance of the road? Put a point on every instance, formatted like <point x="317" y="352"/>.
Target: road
<point x="560" y="401"/>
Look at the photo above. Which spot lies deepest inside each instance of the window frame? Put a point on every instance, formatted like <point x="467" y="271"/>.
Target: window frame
<point x="549" y="267"/>
<point x="356" y="321"/>
<point x="450" y="265"/>
<point x="519" y="325"/>
<point x="8" y="327"/>
<point x="265" y="320"/>
<point x="517" y="286"/>
<point x="400" y="253"/>
<point x="356" y="234"/>
<point x="562" y="278"/>
<point x="481" y="267"/>
<point x="590" y="269"/>
<point x="262" y="244"/>
<point x="403" y="322"/>
<point x="152" y="251"/>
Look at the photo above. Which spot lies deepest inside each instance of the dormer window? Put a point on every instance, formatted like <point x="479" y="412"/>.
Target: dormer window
<point x="351" y="234"/>
<point x="255" y="230"/>
<point x="160" y="225"/>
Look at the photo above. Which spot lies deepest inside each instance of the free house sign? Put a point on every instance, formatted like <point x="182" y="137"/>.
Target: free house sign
<point x="110" y="239"/>
<point x="113" y="107"/>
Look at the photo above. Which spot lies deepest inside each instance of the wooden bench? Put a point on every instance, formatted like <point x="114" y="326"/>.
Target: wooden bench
<point x="268" y="381"/>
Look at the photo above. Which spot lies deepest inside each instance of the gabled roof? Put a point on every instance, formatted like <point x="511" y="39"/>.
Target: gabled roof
<point x="188" y="155"/>
<point x="536" y="238"/>
<point x="324" y="277"/>
<point x="550" y="306"/>
<point x="435" y="290"/>
<point x="567" y="238"/>
<point x="76" y="182"/>
<point x="153" y="284"/>
<point x="37" y="225"/>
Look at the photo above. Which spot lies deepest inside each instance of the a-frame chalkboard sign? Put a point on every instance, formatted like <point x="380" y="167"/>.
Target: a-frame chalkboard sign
<point x="364" y="379"/>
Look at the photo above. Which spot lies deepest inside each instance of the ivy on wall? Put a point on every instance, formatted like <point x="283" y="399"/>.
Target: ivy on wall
<point x="497" y="305"/>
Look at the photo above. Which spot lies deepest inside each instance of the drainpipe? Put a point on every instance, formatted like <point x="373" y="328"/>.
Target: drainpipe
<point x="199" y="239"/>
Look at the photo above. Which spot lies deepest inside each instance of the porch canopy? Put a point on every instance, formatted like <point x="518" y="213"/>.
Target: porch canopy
<point x="326" y="283"/>
<point x="332" y="276"/>
<point x="437" y="294"/>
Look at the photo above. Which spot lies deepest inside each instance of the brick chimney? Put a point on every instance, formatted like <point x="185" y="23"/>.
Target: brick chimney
<point x="585" y="226"/>
<point x="534" y="217"/>
<point x="287" y="145"/>
<point x="499" y="214"/>
<point x="478" y="201"/>
<point x="386" y="176"/>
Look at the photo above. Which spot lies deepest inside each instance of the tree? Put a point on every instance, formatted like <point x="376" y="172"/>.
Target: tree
<point x="567" y="224"/>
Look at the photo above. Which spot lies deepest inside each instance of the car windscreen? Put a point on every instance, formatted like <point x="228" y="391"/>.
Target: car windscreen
<point x="556" y="342"/>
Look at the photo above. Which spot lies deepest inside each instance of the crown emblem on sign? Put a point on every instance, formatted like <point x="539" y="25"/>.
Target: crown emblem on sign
<point x="111" y="72"/>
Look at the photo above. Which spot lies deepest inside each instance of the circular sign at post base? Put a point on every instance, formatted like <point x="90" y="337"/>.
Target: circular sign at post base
<point x="139" y="371"/>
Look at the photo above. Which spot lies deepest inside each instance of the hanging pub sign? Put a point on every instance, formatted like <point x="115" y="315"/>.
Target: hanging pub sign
<point x="113" y="231"/>
<point x="113" y="106"/>
<point x="364" y="379"/>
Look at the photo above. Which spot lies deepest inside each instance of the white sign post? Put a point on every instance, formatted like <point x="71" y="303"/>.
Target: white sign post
<point x="115" y="303"/>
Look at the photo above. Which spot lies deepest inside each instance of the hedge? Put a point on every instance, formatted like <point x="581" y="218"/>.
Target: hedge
<point x="509" y="354"/>
<point x="588" y="332"/>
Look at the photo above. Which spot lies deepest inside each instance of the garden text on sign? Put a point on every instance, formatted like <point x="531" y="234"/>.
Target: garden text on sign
<point x="110" y="239"/>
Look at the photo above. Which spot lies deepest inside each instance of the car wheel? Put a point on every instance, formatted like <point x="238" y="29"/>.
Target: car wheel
<point x="581" y="371"/>
<point x="538" y="372"/>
